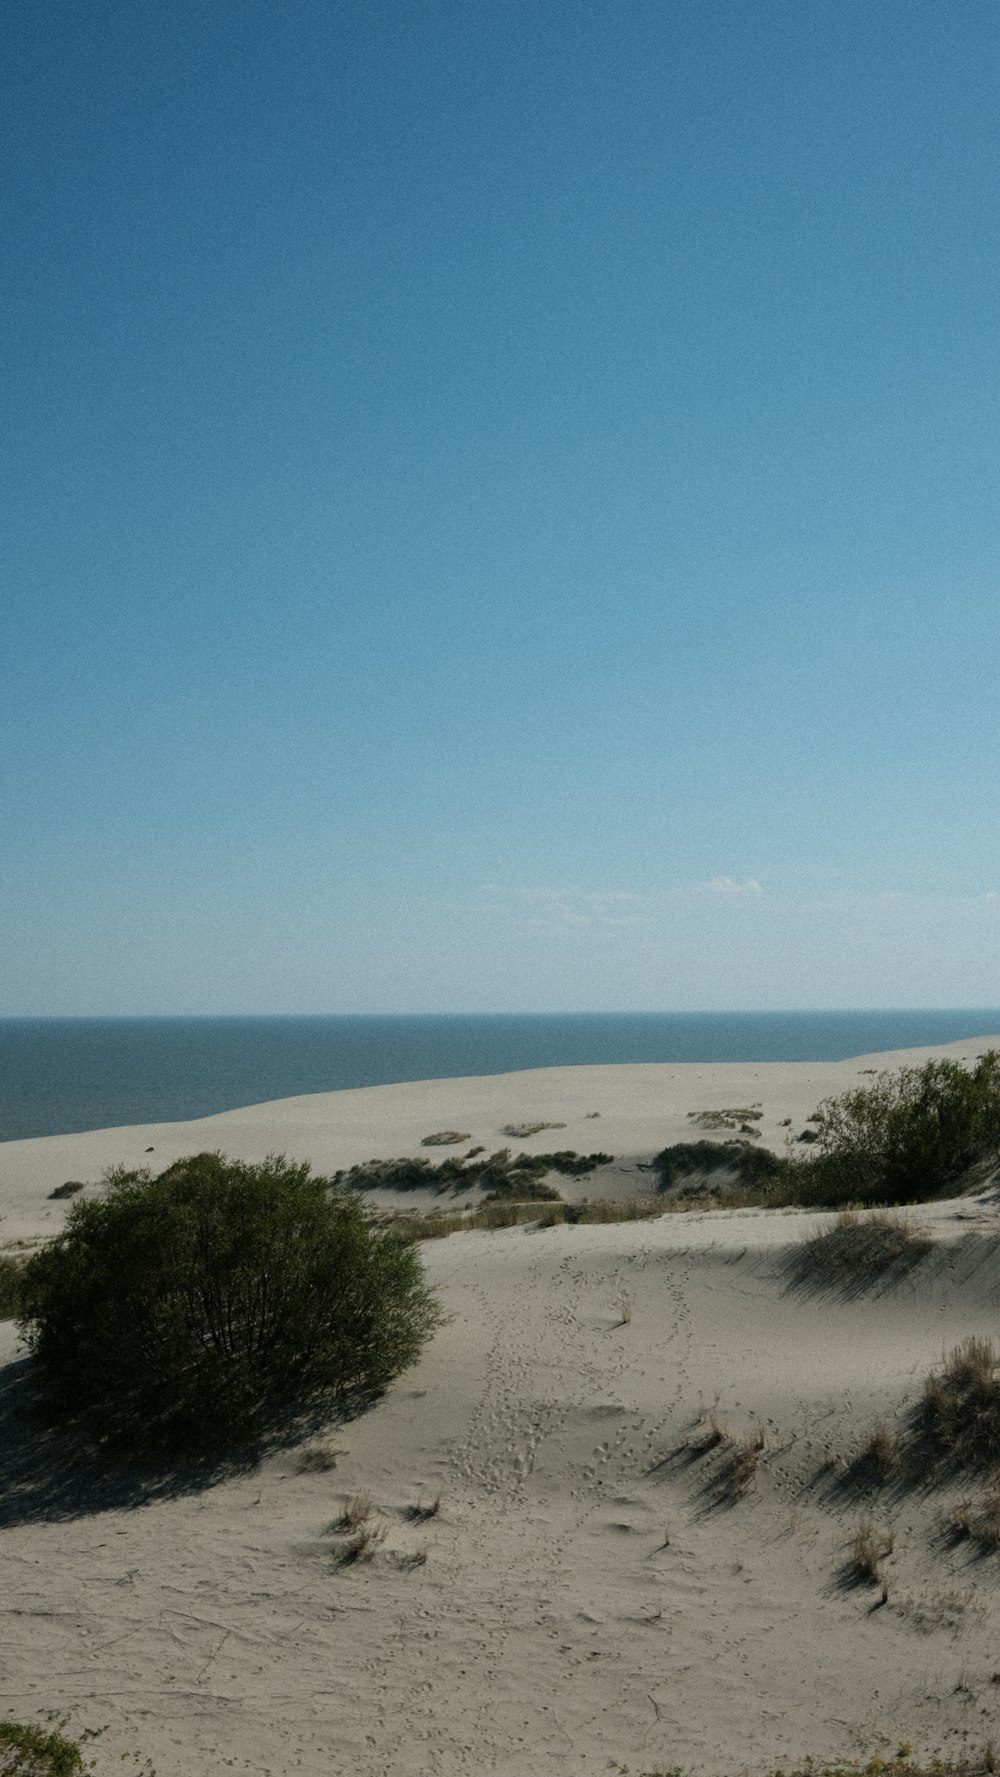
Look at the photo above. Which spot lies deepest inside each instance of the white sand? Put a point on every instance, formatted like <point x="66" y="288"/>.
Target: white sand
<point x="552" y="1627"/>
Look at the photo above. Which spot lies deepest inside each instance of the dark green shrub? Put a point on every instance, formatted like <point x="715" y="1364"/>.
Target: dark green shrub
<point x="209" y="1305"/>
<point x="31" y="1752"/>
<point x="69" y="1189"/>
<point x="11" y="1277"/>
<point x="909" y="1136"/>
<point x="752" y="1166"/>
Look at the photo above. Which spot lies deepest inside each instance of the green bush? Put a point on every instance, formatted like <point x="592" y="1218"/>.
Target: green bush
<point x="752" y="1166"/>
<point x="210" y="1305"/>
<point x="11" y="1275"/>
<point x="907" y="1137"/>
<point x="31" y="1752"/>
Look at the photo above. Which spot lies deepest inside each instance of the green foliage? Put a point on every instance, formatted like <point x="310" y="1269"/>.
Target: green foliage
<point x="907" y="1137"/>
<point x="11" y="1277"/>
<point x="208" y="1306"/>
<point x="752" y="1166"/>
<point x="31" y="1752"/>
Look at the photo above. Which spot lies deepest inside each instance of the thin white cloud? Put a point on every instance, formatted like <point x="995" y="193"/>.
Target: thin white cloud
<point x="728" y="885"/>
<point x="552" y="909"/>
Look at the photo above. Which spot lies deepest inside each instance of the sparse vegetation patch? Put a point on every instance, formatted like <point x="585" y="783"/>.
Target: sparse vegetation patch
<point x="519" y="1177"/>
<point x="727" y="1119"/>
<point x="521" y="1131"/>
<point x="958" y="1420"/>
<point x="27" y="1751"/>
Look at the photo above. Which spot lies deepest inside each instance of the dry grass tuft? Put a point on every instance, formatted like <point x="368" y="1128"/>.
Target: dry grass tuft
<point x="879" y="1459"/>
<point x="420" y="1513"/>
<point x="958" y="1418"/>
<point x="861" y="1248"/>
<point x="358" y="1508"/>
<point x="363" y="1545"/>
<point x="959" y="1521"/>
<point x="415" y="1558"/>
<point x="867" y="1551"/>
<point x="712" y="1435"/>
<point x="739" y="1469"/>
<point x="965" y="1524"/>
<point x="316" y="1459"/>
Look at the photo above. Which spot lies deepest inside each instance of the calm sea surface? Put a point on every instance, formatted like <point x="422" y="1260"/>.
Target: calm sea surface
<point x="59" y="1075"/>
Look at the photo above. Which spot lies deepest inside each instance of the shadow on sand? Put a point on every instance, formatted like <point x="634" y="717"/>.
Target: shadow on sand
<point x="52" y="1472"/>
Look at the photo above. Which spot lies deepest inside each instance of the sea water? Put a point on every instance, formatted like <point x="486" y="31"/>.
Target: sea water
<point x="60" y="1075"/>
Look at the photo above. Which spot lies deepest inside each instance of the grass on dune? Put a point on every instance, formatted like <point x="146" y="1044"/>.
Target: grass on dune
<point x="858" y="1248"/>
<point x="958" y="1419"/>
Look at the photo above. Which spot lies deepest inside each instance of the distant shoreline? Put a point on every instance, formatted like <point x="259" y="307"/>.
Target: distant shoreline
<point x="628" y="1110"/>
<point x="67" y="1076"/>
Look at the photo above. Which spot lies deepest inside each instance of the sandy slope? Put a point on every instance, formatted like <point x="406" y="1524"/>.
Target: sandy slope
<point x="552" y="1626"/>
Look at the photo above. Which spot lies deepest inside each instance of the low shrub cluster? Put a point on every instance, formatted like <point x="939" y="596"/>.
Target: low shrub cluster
<point x="520" y="1177"/>
<point x="746" y="1165"/>
<point x="212" y="1304"/>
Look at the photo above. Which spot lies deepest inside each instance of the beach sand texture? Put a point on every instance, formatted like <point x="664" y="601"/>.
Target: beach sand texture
<point x="564" y="1579"/>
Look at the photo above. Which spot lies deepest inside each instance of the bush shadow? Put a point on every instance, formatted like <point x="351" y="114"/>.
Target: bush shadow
<point x="52" y="1471"/>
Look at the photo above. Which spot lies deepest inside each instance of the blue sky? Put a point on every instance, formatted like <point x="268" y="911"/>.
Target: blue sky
<point x="501" y="506"/>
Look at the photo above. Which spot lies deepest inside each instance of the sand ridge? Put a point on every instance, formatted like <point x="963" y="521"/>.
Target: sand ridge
<point x="582" y="1594"/>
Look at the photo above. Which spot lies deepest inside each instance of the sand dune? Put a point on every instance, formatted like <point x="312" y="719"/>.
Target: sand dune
<point x="585" y="1591"/>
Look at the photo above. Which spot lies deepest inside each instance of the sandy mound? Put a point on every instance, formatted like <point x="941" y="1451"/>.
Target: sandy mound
<point x="568" y="1573"/>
